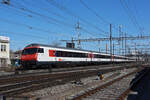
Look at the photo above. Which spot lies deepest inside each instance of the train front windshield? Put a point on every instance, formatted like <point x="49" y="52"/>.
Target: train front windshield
<point x="29" y="51"/>
<point x="32" y="51"/>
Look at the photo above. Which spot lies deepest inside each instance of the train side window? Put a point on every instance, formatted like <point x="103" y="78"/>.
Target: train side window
<point x="40" y="50"/>
<point x="86" y="55"/>
<point x="69" y="54"/>
<point x="107" y="56"/>
<point x="63" y="54"/>
<point x="58" y="53"/>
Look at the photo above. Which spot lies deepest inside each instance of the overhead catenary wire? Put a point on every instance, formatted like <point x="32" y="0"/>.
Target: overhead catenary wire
<point x="33" y="27"/>
<point x="96" y="14"/>
<point x="16" y="11"/>
<point x="82" y="29"/>
<point x="131" y="15"/>
<point x="45" y="9"/>
<point x="27" y="14"/>
<point x="64" y="9"/>
<point x="44" y="16"/>
<point x="137" y="14"/>
<point x="25" y="25"/>
<point x="20" y="12"/>
<point x="29" y="26"/>
<point x="23" y="34"/>
<point x="47" y="17"/>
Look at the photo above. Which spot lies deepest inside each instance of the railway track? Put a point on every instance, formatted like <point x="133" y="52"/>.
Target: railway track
<point x="13" y="86"/>
<point x="30" y="83"/>
<point x="37" y="76"/>
<point x="55" y="70"/>
<point x="134" y="83"/>
<point x="69" y="90"/>
<point x="116" y="89"/>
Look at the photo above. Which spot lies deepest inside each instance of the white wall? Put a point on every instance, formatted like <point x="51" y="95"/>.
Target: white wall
<point x="5" y="54"/>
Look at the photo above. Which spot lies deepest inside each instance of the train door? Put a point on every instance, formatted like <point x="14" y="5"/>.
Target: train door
<point x="90" y="55"/>
<point x="52" y="53"/>
<point x="41" y="54"/>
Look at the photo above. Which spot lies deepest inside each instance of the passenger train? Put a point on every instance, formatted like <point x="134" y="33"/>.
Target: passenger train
<point x="44" y="56"/>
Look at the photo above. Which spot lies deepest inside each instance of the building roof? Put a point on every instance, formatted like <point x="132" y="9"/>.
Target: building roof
<point x="4" y="39"/>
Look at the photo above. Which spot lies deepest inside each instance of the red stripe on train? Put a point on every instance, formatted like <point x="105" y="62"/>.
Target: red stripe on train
<point x="29" y="57"/>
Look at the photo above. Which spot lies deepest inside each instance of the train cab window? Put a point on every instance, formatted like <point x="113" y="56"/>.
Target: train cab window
<point x="40" y="50"/>
<point x="29" y="51"/>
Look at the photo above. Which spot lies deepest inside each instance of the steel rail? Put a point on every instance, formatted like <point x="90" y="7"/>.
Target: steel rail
<point x="13" y="89"/>
<point x="12" y="80"/>
<point x="132" y="85"/>
<point x="93" y="91"/>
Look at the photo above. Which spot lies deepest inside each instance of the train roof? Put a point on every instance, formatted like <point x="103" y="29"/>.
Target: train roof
<point x="36" y="44"/>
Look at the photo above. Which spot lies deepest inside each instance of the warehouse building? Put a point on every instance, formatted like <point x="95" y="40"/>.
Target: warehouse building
<point x="4" y="51"/>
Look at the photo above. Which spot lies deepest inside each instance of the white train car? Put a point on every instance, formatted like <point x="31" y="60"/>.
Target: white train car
<point x="39" y="55"/>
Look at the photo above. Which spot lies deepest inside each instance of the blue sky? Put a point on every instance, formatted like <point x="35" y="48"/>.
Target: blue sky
<point x="40" y="21"/>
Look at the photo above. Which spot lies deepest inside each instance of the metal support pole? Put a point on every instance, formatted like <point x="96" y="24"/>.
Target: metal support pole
<point x="111" y="40"/>
<point x="113" y="53"/>
<point x="99" y="46"/>
<point x="120" y="40"/>
<point x="106" y="48"/>
<point x="122" y="43"/>
<point x="73" y="46"/>
<point x="125" y="44"/>
<point x="113" y="49"/>
<point x="135" y="52"/>
<point x="78" y="31"/>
